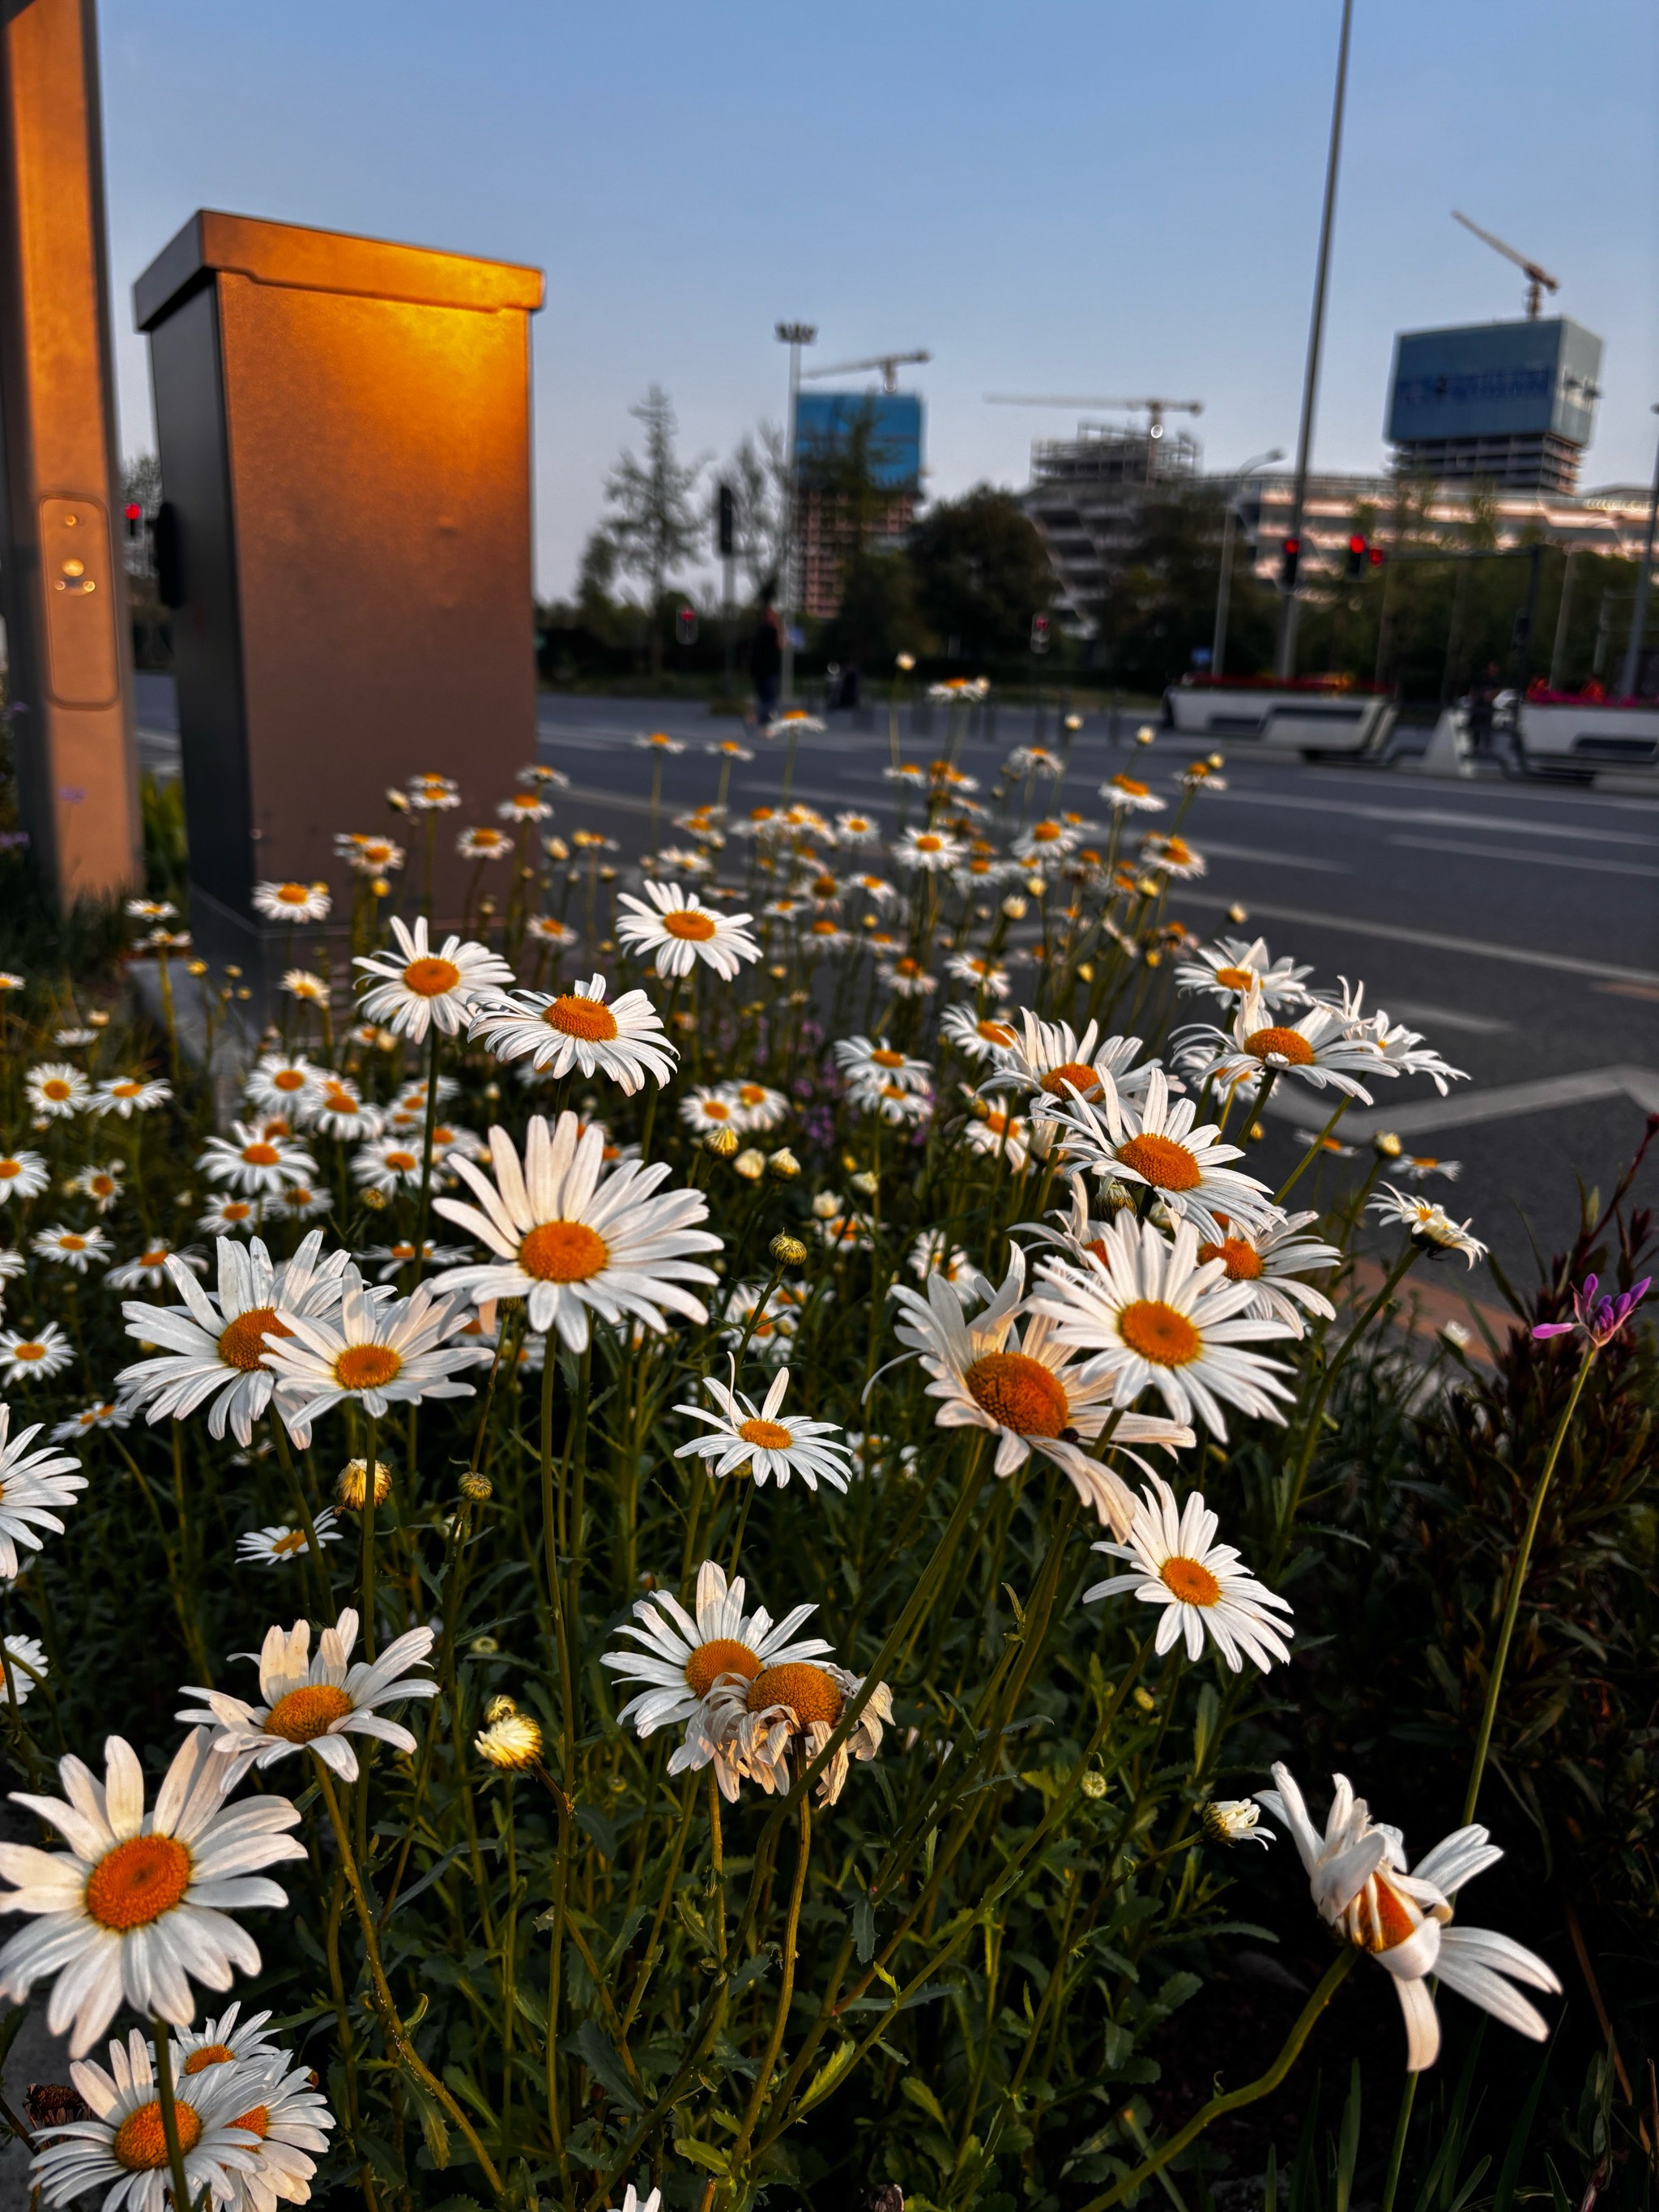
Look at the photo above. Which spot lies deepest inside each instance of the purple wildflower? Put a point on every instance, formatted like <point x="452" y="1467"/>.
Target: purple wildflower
<point x="1600" y="1319"/>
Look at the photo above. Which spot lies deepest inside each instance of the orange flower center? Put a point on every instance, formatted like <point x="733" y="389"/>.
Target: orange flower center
<point x="405" y="1162"/>
<point x="55" y="1087"/>
<point x="885" y="1056"/>
<point x="241" y="1344"/>
<point x="141" y="2142"/>
<point x="28" y="1351"/>
<point x="70" y="1243"/>
<point x="1244" y="1261"/>
<point x="927" y="842"/>
<point x="823" y="929"/>
<point x="1163" y="1163"/>
<point x="1159" y="1333"/>
<point x="236" y="1209"/>
<point x="1176" y="851"/>
<point x="366" y="1367"/>
<point x="1044" y="833"/>
<point x="9" y="1168"/>
<point x="431" y="977"/>
<point x="766" y="1435"/>
<point x="1128" y="783"/>
<point x="292" y="894"/>
<point x="689" y="922"/>
<point x="307" y="1712"/>
<point x="256" y="2121"/>
<point x="288" y="1547"/>
<point x="152" y="1259"/>
<point x="1018" y="1393"/>
<point x="101" y="1185"/>
<point x="137" y="1881"/>
<point x="752" y="1094"/>
<point x="723" y="1656"/>
<point x="808" y="1691"/>
<point x="127" y="1090"/>
<point x="261" y="1155"/>
<point x="1072" y="1071"/>
<point x="715" y="1110"/>
<point x="577" y="1017"/>
<point x="563" y="1252"/>
<point x="1394" y="1922"/>
<point x="211" y="2054"/>
<point x="1288" y="1044"/>
<point x="1190" y="1581"/>
<point x="1236" y="979"/>
<point x="995" y="1032"/>
<point x="288" y="1079"/>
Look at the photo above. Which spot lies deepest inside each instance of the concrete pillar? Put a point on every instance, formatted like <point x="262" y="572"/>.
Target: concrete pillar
<point x="61" y="576"/>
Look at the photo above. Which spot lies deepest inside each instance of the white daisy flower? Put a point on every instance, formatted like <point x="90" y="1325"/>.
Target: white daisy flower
<point x="774" y="1325"/>
<point x="415" y="986"/>
<point x="304" y="1201"/>
<point x="26" y="1666"/>
<point x="485" y="844"/>
<point x="907" y="978"/>
<point x="1234" y="966"/>
<point x="1127" y="796"/>
<point x="370" y="856"/>
<point x="73" y="1248"/>
<point x="22" y="1176"/>
<point x="549" y="930"/>
<point x="280" y="1084"/>
<point x="1271" y="1258"/>
<point x="102" y="1185"/>
<point x="524" y="806"/>
<point x="315" y="1703"/>
<point x="930" y="851"/>
<point x="380" y="1351"/>
<point x="876" y="888"/>
<point x="684" y="1657"/>
<point x="979" y="1037"/>
<point x="58" y="1090"/>
<point x="269" y="1548"/>
<point x="855" y="830"/>
<point x="1049" y="1061"/>
<point x="845" y="1232"/>
<point x="388" y="1259"/>
<point x="984" y="975"/>
<point x="338" y="1111"/>
<point x="745" y="1437"/>
<point x="1419" y="1167"/>
<point x="390" y="1164"/>
<point x="866" y="1065"/>
<point x="624" y="1040"/>
<point x="34" y="1355"/>
<point x="285" y="2119"/>
<point x="231" y="1217"/>
<point x="997" y="1135"/>
<point x="303" y="983"/>
<point x="1319" y="1048"/>
<point x="795" y="1706"/>
<point x="257" y="1164"/>
<point x="1045" y="842"/>
<point x="1155" y="1147"/>
<point x="122" y="2151"/>
<point x="215" y="1344"/>
<point x="565" y="1243"/>
<point x="68" y="1040"/>
<point x="680" y="930"/>
<point x="1002" y="1369"/>
<point x="226" y="2041"/>
<point x="1147" y="1315"/>
<point x="127" y="1095"/>
<point x="1363" y="1887"/>
<point x="292" y="902"/>
<point x="431" y="793"/>
<point x="33" y="1486"/>
<point x="708" y="1106"/>
<point x="101" y="1413"/>
<point x="756" y="1107"/>
<point x="1172" y="856"/>
<point x="1429" y="1224"/>
<point x="933" y="1254"/>
<point x="138" y="1906"/>
<point x="1233" y="1820"/>
<point x="1203" y="1590"/>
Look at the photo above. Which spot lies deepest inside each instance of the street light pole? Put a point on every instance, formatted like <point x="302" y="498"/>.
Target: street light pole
<point x="1223" y="590"/>
<point x="1638" y="612"/>
<point x="1287" y="613"/>
<point x="794" y="336"/>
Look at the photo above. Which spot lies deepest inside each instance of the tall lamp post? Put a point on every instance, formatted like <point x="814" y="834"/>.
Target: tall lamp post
<point x="1223" y="590"/>
<point x="1638" y="613"/>
<point x="1287" y="612"/>
<point x="794" y="336"/>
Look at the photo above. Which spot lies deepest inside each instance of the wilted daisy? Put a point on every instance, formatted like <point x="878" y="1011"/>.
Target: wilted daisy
<point x="1363" y="1886"/>
<point x="747" y="1438"/>
<point x="415" y="986"/>
<point x="127" y="1095"/>
<point x="73" y="1248"/>
<point x="566" y="1243"/>
<point x="1271" y="1257"/>
<point x="1146" y="1314"/>
<point x="25" y="1666"/>
<point x="1199" y="1584"/>
<point x="253" y="1163"/>
<point x="102" y="1185"/>
<point x="279" y="1083"/>
<point x="1430" y="1224"/>
<point x="56" y="1090"/>
<point x="122" y="2151"/>
<point x="682" y="1657"/>
<point x="556" y="1032"/>
<point x="138" y="1906"/>
<point x="679" y="930"/>
<point x="1154" y="1144"/>
<point x="269" y="1548"/>
<point x="34" y="1355"/>
<point x="292" y="902"/>
<point x="215" y="1344"/>
<point x="1233" y="1820"/>
<point x="790" y="1710"/>
<point x="1234" y="966"/>
<point x="316" y="1702"/>
<point x="34" y="1486"/>
<point x="1001" y="1369"/>
<point x="22" y="1174"/>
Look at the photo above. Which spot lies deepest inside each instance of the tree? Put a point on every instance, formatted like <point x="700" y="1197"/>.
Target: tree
<point x="878" y="618"/>
<point x="982" y="571"/>
<point x="656" y="520"/>
<point x="759" y="473"/>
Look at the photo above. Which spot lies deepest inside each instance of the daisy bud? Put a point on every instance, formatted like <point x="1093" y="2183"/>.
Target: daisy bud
<point x="1217" y="760"/>
<point x="196" y="967"/>
<point x="784" y="1165"/>
<point x="98" y="1021"/>
<point x="555" y="848"/>
<point x="1256" y="1133"/>
<point x="1145" y="734"/>
<point x="381" y="887"/>
<point x="1146" y="1701"/>
<point x="484" y="1647"/>
<point x="511" y="1743"/>
<point x="1146" y="886"/>
<point x="1387" y="1146"/>
<point x="788" y="1251"/>
<point x="1154" y="958"/>
<point x="867" y="1184"/>
<point x="500" y="1708"/>
<point x="1014" y="907"/>
<point x="777" y="972"/>
<point x="478" y="1489"/>
<point x="723" y="1142"/>
<point x="348" y="1490"/>
<point x="826" y="1206"/>
<point x="1233" y="1821"/>
<point x="1236" y="913"/>
<point x="1035" y="885"/>
<point x="231" y="969"/>
<point x="1093" y="1783"/>
<point x="750" y="1163"/>
<point x="375" y="1200"/>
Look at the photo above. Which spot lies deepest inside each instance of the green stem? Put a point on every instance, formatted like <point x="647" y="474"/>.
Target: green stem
<point x="423" y="1210"/>
<point x="1315" y="1151"/>
<point x="163" y="2039"/>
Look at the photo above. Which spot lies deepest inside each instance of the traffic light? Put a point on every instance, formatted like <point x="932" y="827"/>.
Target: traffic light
<point x="1041" y="634"/>
<point x="1289" y="559"/>
<point x="728" y="523"/>
<point x="685" y="625"/>
<point x="1357" y="549"/>
<point x="1375" y="556"/>
<point x="135" y="519"/>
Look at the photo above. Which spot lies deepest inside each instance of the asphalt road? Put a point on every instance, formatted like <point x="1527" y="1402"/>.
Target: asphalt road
<point x="1515" y="925"/>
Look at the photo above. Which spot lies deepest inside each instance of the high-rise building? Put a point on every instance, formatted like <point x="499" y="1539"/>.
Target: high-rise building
<point x="858" y="476"/>
<point x="1513" y="404"/>
<point x="1087" y="496"/>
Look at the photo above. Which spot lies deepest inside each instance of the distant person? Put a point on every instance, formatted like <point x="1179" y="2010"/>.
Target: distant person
<point x="766" y="660"/>
<point x="1483" y="700"/>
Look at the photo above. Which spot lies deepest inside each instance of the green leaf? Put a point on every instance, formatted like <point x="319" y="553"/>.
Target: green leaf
<point x="1348" y="2144"/>
<point x="434" y="2129"/>
<point x="711" y="2159"/>
<point x="589" y="2045"/>
<point x="602" y="1831"/>
<point x="827" y="2076"/>
<point x="916" y="2091"/>
<point x="1204" y="1726"/>
<point x="864" y="1928"/>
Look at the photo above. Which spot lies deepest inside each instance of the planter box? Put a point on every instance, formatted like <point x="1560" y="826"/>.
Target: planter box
<point x="1307" y="722"/>
<point x="1605" y="739"/>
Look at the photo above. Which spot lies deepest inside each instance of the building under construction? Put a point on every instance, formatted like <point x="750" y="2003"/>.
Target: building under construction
<point x="1088" y="495"/>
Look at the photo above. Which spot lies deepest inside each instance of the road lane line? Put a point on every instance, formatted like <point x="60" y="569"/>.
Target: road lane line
<point x="1597" y="862"/>
<point x="1432" y="816"/>
<point x="1275" y="859"/>
<point x="1464" y="1108"/>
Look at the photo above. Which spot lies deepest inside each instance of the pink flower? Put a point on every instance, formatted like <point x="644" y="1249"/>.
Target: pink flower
<point x="1599" y="1319"/>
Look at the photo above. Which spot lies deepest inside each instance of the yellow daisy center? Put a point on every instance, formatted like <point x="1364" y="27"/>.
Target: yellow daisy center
<point x="807" y="1690"/>
<point x="689" y="922"/>
<point x="292" y="894"/>
<point x="288" y="1546"/>
<point x="288" y="1079"/>
<point x="307" y="1712"/>
<point x="257" y="2121"/>
<point x="70" y="1243"/>
<point x="211" y="2054"/>
<point x="101" y="1185"/>
<point x="577" y="1017"/>
<point x="1288" y="1044"/>
<point x="28" y="1351"/>
<point x="1128" y="783"/>
<point x="241" y="1343"/>
<point x="128" y="1089"/>
<point x="885" y="1056"/>
<point x="366" y="1367"/>
<point x="9" y="1168"/>
<point x="995" y="1032"/>
<point x="141" y="2142"/>
<point x="405" y="1162"/>
<point x="928" y="843"/>
<point x="137" y="1880"/>
<point x="1044" y="833"/>
<point x="766" y="1435"/>
<point x="1019" y="1393"/>
<point x="563" y="1252"/>
<point x="1163" y="1163"/>
<point x="1159" y="1333"/>
<point x="1072" y="1071"/>
<point x="261" y="1155"/>
<point x="1190" y="1581"/>
<point x="431" y="977"/>
<point x="1394" y="1922"/>
<point x="752" y="1094"/>
<point x="723" y="1655"/>
<point x="1237" y="979"/>
<point x="55" y="1087"/>
<point x="1244" y="1261"/>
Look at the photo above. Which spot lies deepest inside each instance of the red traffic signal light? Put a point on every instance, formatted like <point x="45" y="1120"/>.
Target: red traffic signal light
<point x="1290" y="560"/>
<point x="1357" y="548"/>
<point x="685" y="625"/>
<point x="1375" y="556"/>
<point x="1040" y="634"/>
<point x="135" y="516"/>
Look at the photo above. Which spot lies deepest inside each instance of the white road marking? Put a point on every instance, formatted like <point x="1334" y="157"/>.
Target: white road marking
<point x="1276" y="859"/>
<point x="1432" y="816"/>
<point x="1598" y="862"/>
<point x="1309" y="1110"/>
<point x="1446" y="1018"/>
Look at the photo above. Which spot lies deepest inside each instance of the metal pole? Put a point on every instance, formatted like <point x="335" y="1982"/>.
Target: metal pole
<point x="727" y="613"/>
<point x="1225" y="588"/>
<point x="794" y="336"/>
<point x="1287" y="614"/>
<point x="1563" y="615"/>
<point x="1640" y="610"/>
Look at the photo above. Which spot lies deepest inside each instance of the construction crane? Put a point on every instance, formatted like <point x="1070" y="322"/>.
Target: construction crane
<point x="889" y="363"/>
<point x="1155" y="410"/>
<point x="1539" y="281"/>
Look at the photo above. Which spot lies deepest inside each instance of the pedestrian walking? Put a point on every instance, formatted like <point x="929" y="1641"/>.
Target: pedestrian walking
<point x="766" y="660"/>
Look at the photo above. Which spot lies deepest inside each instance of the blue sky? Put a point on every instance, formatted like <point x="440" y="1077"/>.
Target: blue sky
<point x="1052" y="197"/>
